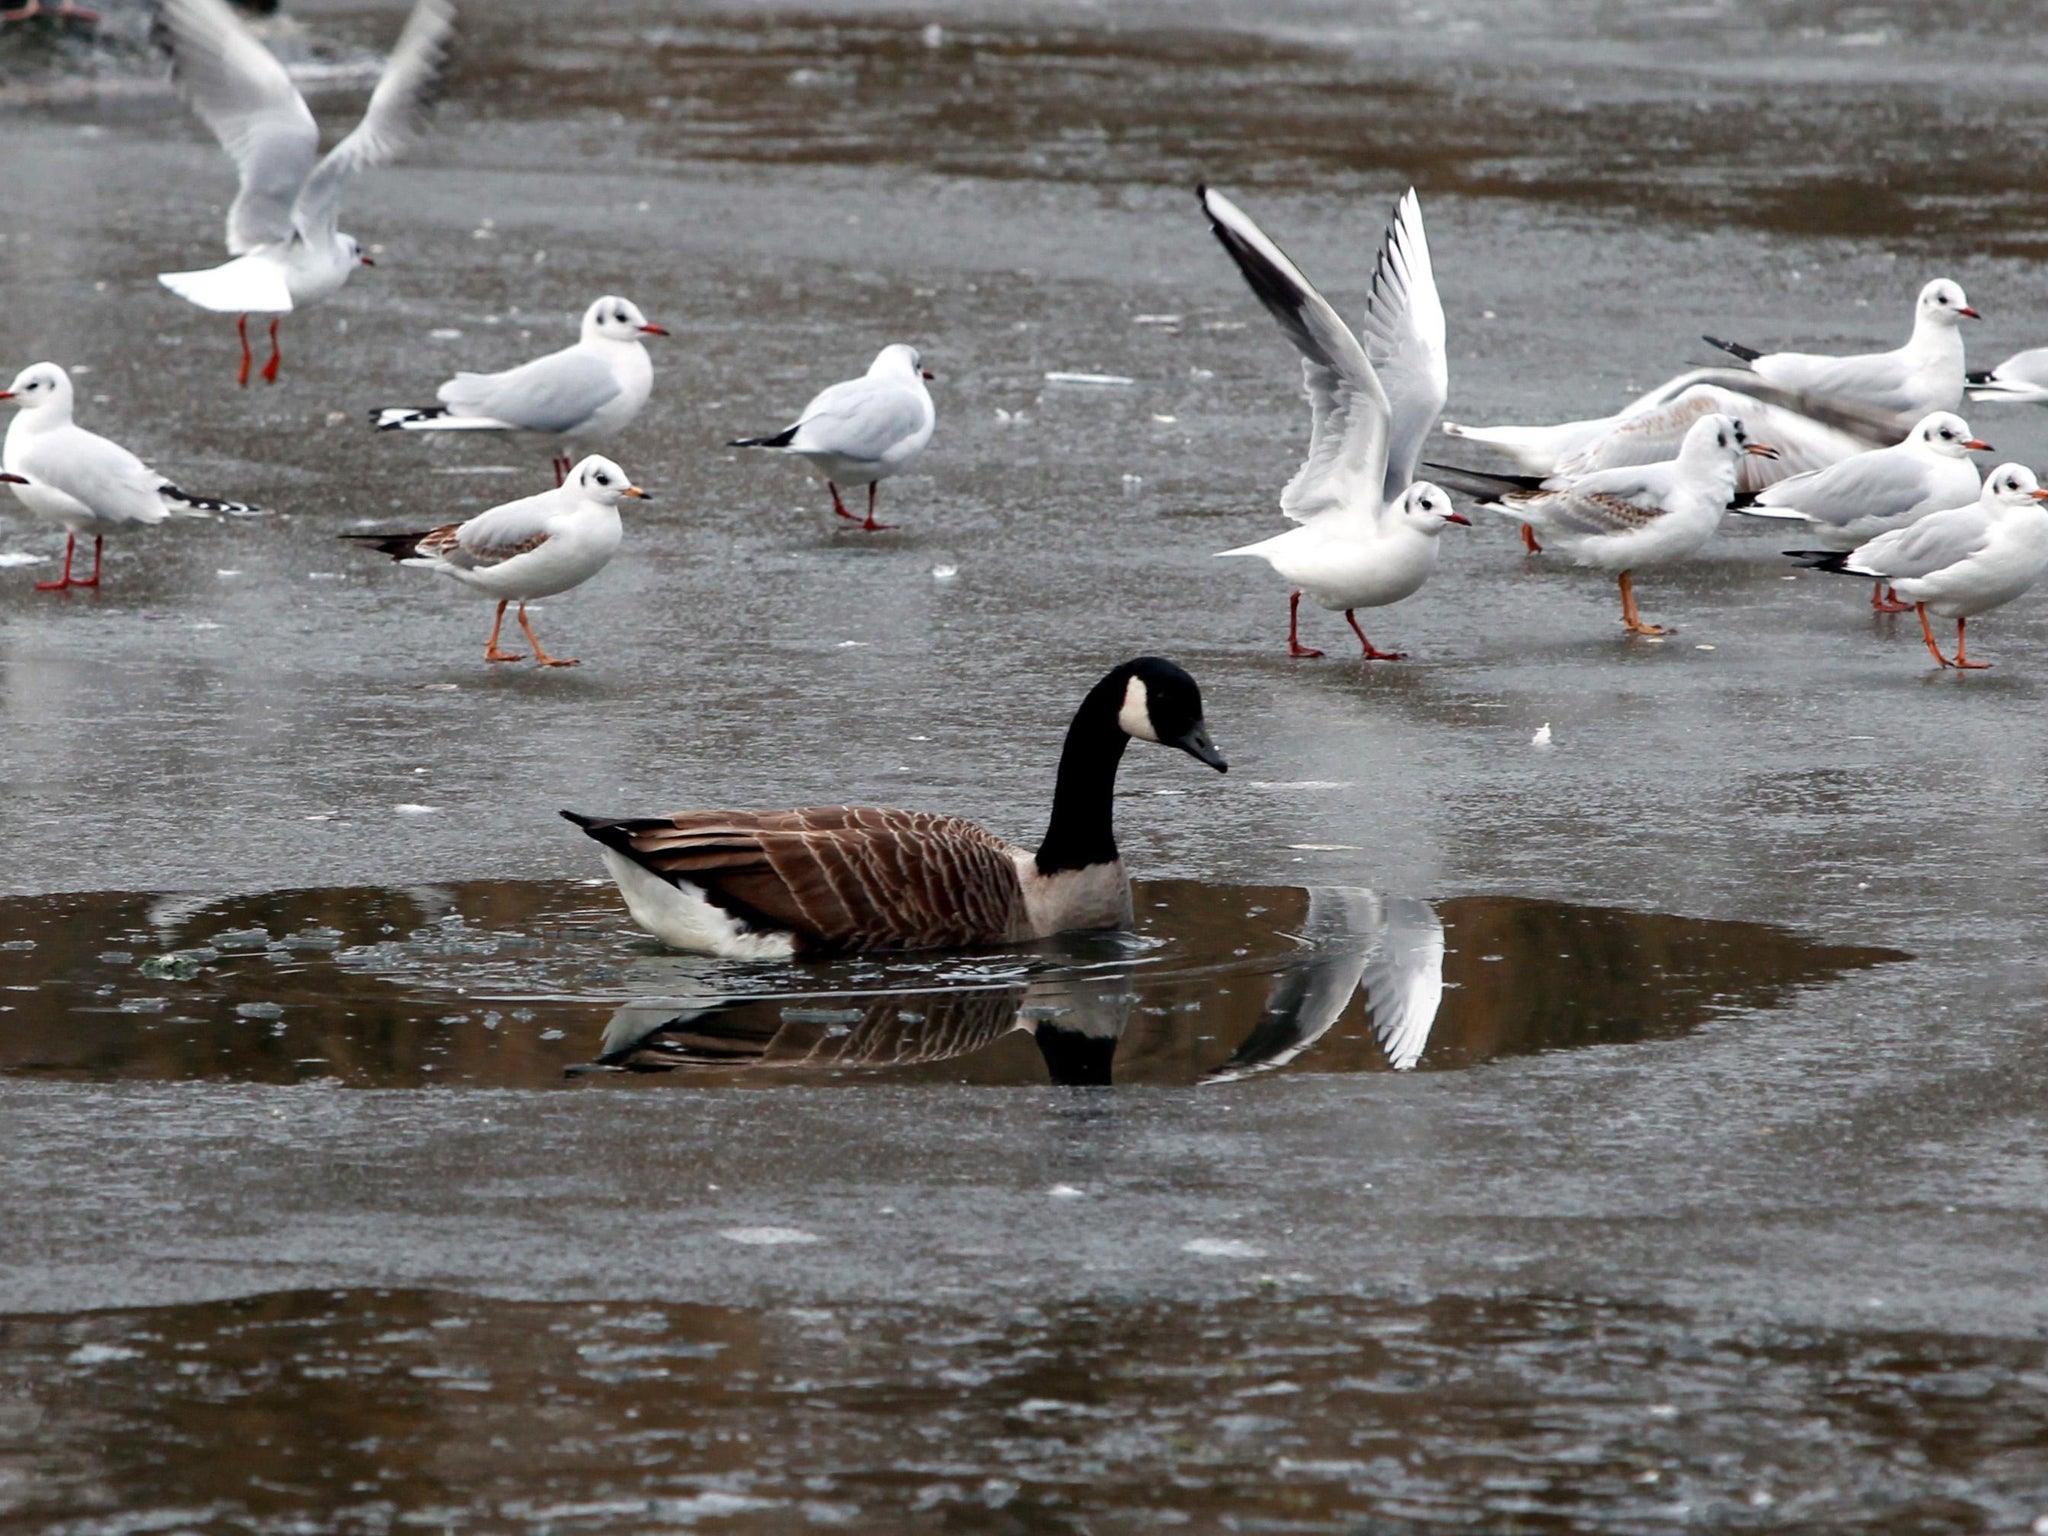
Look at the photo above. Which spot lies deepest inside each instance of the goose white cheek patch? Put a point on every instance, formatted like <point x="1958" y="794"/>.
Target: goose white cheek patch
<point x="1136" y="715"/>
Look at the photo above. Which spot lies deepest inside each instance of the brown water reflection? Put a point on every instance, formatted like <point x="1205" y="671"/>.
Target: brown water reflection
<point x="365" y="1410"/>
<point x="509" y="984"/>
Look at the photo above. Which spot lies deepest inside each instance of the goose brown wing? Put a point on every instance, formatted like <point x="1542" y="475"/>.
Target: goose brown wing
<point x="841" y="878"/>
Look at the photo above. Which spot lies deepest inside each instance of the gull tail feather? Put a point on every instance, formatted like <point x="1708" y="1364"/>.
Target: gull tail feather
<point x="432" y="418"/>
<point x="781" y="439"/>
<point x="181" y="504"/>
<point x="1836" y="560"/>
<point x="1733" y="348"/>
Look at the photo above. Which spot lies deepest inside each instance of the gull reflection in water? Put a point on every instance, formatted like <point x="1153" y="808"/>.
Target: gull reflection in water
<point x="1390" y="948"/>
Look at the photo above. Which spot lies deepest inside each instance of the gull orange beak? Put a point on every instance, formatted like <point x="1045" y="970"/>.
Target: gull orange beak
<point x="2038" y="495"/>
<point x="1978" y="445"/>
<point x="654" y="330"/>
<point x="1761" y="450"/>
<point x="1459" y="518"/>
<point x="6" y="394"/>
<point x="1968" y="313"/>
<point x="636" y="493"/>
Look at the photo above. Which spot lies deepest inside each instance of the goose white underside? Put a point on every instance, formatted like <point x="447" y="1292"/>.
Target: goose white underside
<point x="682" y="917"/>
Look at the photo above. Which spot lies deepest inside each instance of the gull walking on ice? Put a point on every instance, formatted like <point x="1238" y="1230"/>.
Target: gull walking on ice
<point x="588" y="392"/>
<point x="864" y="430"/>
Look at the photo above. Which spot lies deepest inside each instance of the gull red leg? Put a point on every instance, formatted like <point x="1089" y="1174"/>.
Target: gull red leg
<point x="540" y="655"/>
<point x="838" y="505"/>
<point x="871" y="526"/>
<point x="1529" y="540"/>
<point x="98" y="547"/>
<point x="1371" y="652"/>
<point x="70" y="543"/>
<point x="491" y="651"/>
<point x="1927" y="634"/>
<point x="1885" y="600"/>
<point x="561" y="468"/>
<point x="1962" y="658"/>
<point x="242" y="330"/>
<point x="1294" y="645"/>
<point x="276" y="356"/>
<point x="1631" y="616"/>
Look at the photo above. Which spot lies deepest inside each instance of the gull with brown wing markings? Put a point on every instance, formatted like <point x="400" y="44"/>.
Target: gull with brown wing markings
<point x="534" y="547"/>
<point x="837" y="879"/>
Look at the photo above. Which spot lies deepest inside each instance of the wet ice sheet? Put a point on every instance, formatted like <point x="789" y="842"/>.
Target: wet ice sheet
<point x="352" y="1410"/>
<point x="506" y="984"/>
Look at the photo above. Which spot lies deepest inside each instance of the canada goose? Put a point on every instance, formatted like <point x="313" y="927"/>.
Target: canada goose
<point x="824" y="880"/>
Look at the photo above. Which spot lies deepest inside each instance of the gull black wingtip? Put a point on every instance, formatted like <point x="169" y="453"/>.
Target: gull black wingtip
<point x="1836" y="560"/>
<point x="1733" y="348"/>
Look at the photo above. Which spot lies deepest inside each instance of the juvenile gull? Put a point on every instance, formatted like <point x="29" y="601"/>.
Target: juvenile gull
<point x="1854" y="501"/>
<point x="1369" y="528"/>
<point x="1926" y="374"/>
<point x="1623" y="519"/>
<point x="864" y="430"/>
<point x="589" y="392"/>
<point x="1960" y="562"/>
<point x="281" y="226"/>
<point x="534" y="547"/>
<point x="82" y="482"/>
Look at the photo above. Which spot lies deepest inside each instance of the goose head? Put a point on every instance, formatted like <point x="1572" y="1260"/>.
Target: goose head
<point x="1427" y="509"/>
<point x="898" y="361"/>
<point x="1946" y="435"/>
<point x="2012" y="485"/>
<point x="1942" y="303"/>
<point x="40" y="387"/>
<point x="1161" y="703"/>
<point x="612" y="318"/>
<point x="598" y="479"/>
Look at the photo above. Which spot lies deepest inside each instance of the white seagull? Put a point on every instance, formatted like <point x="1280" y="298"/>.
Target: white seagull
<point x="1854" y="501"/>
<point x="864" y="430"/>
<point x="2021" y="378"/>
<point x="81" y="481"/>
<point x="1926" y="374"/>
<point x="588" y="392"/>
<point x="281" y="227"/>
<point x="1369" y="528"/>
<point x="1623" y="519"/>
<point x="1960" y="562"/>
<point x="526" y="549"/>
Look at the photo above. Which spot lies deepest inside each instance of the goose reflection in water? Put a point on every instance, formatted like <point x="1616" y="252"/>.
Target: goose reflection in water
<point x="1352" y="940"/>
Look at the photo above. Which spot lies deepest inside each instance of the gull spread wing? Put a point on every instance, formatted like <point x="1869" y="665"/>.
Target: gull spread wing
<point x="556" y="393"/>
<point x="860" y="419"/>
<point x="1404" y="980"/>
<point x="1344" y="927"/>
<point x="841" y="878"/>
<point x="242" y="93"/>
<point x="1404" y="338"/>
<point x="394" y="119"/>
<point x="1348" y="440"/>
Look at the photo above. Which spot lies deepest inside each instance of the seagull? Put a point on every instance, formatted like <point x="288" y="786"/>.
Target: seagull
<point x="281" y="227"/>
<point x="81" y="481"/>
<point x="1960" y="562"/>
<point x="1623" y="519"/>
<point x="864" y="430"/>
<point x="1854" y="501"/>
<point x="1926" y="374"/>
<point x="590" y="391"/>
<point x="534" y="547"/>
<point x="2021" y="378"/>
<point x="1369" y="528"/>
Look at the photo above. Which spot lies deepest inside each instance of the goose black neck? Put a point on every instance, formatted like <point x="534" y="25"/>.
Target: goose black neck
<point x="1080" y="833"/>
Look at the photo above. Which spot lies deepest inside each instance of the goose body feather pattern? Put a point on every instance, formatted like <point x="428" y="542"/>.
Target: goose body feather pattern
<point x="839" y="879"/>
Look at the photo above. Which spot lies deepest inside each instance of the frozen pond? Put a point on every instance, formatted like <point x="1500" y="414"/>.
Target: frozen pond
<point x="1716" y="1199"/>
